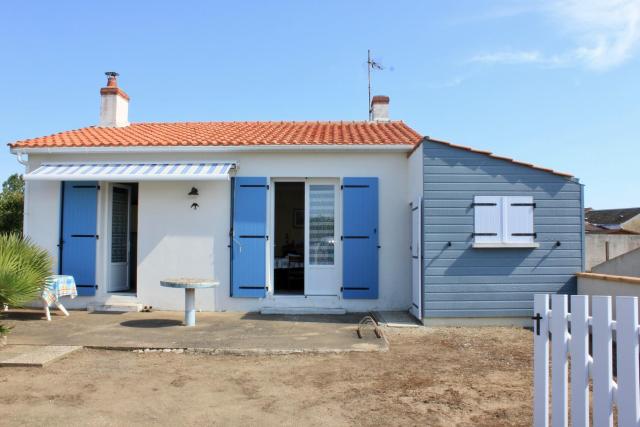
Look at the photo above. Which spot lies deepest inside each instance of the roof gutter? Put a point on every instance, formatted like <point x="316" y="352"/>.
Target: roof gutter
<point x="21" y="159"/>
<point x="400" y="148"/>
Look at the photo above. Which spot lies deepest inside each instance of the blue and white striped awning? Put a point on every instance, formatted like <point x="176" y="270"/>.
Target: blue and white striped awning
<point x="121" y="171"/>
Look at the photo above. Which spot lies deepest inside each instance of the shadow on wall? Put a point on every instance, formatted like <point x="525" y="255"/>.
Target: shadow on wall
<point x="521" y="177"/>
<point x="500" y="264"/>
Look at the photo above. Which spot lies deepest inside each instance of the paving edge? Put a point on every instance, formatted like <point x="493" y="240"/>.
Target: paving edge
<point x="243" y="351"/>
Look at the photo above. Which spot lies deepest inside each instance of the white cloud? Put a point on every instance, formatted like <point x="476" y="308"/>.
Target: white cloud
<point x="606" y="33"/>
<point x="523" y="57"/>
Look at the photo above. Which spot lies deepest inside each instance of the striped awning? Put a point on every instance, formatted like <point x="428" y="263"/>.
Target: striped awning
<point x="121" y="171"/>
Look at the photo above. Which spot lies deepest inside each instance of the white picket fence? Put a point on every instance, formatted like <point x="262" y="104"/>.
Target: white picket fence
<point x="573" y="344"/>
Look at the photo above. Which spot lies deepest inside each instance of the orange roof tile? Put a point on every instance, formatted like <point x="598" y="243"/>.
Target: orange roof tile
<point x="490" y="154"/>
<point x="230" y="134"/>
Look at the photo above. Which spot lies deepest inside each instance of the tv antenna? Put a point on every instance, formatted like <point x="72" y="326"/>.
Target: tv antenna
<point x="371" y="65"/>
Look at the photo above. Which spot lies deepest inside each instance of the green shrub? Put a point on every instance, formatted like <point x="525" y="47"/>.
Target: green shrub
<point x="24" y="267"/>
<point x="11" y="205"/>
<point x="4" y="330"/>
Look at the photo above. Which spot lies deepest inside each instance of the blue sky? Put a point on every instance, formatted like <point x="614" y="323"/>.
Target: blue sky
<point x="555" y="83"/>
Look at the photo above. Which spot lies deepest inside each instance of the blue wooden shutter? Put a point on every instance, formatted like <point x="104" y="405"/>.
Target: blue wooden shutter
<point x="360" y="238"/>
<point x="79" y="235"/>
<point x="249" y="234"/>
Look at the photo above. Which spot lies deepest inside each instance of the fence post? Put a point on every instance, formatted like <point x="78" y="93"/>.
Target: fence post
<point x="559" y="362"/>
<point x="579" y="361"/>
<point x="627" y="352"/>
<point x="541" y="360"/>
<point x="602" y="362"/>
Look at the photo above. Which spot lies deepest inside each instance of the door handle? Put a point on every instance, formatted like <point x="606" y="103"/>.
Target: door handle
<point x="237" y="242"/>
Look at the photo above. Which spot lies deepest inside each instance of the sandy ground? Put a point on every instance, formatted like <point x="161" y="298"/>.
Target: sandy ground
<point x="430" y="377"/>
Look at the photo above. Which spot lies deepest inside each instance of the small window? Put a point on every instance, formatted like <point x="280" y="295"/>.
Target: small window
<point x="503" y="221"/>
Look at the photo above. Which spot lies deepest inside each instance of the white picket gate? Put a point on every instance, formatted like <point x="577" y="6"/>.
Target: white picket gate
<point x="570" y="341"/>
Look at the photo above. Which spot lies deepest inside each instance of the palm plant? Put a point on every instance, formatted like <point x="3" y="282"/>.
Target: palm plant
<point x="24" y="267"/>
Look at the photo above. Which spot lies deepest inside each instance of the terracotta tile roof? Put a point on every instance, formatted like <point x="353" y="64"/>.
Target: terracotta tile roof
<point x="231" y="134"/>
<point x="490" y="154"/>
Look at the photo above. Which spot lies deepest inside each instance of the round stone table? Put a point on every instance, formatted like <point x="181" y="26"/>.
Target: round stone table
<point x="189" y="286"/>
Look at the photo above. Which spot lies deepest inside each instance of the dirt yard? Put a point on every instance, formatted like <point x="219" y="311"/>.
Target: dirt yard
<point x="430" y="377"/>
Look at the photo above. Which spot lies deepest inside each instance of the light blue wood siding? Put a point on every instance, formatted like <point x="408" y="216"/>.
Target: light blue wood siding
<point x="460" y="281"/>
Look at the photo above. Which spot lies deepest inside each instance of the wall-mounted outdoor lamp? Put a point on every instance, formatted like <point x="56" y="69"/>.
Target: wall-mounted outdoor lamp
<point x="194" y="193"/>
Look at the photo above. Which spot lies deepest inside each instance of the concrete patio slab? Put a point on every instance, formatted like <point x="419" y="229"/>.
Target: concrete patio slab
<point x="237" y="333"/>
<point x="33" y="356"/>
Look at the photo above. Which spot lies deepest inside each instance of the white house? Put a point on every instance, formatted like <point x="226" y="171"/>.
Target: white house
<point x="317" y="216"/>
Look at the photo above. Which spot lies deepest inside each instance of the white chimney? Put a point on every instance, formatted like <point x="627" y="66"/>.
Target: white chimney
<point x="380" y="108"/>
<point x="114" y="104"/>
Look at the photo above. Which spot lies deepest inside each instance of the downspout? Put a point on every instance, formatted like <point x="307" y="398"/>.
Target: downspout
<point x="25" y="212"/>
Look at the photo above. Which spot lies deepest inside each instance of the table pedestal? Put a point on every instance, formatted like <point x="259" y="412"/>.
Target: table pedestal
<point x="189" y="286"/>
<point x="190" y="307"/>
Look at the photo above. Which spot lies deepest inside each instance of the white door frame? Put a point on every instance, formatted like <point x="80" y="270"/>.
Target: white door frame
<point x="271" y="215"/>
<point x="417" y="279"/>
<point x="338" y="232"/>
<point x="109" y="240"/>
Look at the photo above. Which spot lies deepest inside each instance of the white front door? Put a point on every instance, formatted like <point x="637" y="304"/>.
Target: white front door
<point x="416" y="258"/>
<point x="119" y="238"/>
<point x="322" y="251"/>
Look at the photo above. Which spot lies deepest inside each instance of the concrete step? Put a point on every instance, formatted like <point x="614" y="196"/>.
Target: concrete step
<point x="116" y="307"/>
<point x="396" y="319"/>
<point x="36" y="356"/>
<point x="302" y="310"/>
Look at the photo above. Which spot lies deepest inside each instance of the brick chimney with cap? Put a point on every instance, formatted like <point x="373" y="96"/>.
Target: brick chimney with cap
<point x="114" y="104"/>
<point x="380" y="108"/>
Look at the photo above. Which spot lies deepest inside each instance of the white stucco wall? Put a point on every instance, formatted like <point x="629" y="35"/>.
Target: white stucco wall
<point x="627" y="264"/>
<point x="415" y="175"/>
<point x="595" y="247"/>
<point x="174" y="240"/>
<point x="601" y="286"/>
<point x="42" y="215"/>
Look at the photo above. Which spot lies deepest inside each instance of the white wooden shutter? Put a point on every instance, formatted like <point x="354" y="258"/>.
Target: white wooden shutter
<point x="487" y="214"/>
<point x="519" y="219"/>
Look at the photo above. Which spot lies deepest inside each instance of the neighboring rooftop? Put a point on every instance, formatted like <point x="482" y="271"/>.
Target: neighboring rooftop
<point x="610" y="216"/>
<point x="599" y="229"/>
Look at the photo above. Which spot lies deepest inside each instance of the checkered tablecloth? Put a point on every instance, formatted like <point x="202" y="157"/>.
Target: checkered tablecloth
<point x="59" y="286"/>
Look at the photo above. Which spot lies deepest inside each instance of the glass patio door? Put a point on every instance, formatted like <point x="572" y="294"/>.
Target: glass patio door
<point x="119" y="248"/>
<point x="322" y="276"/>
